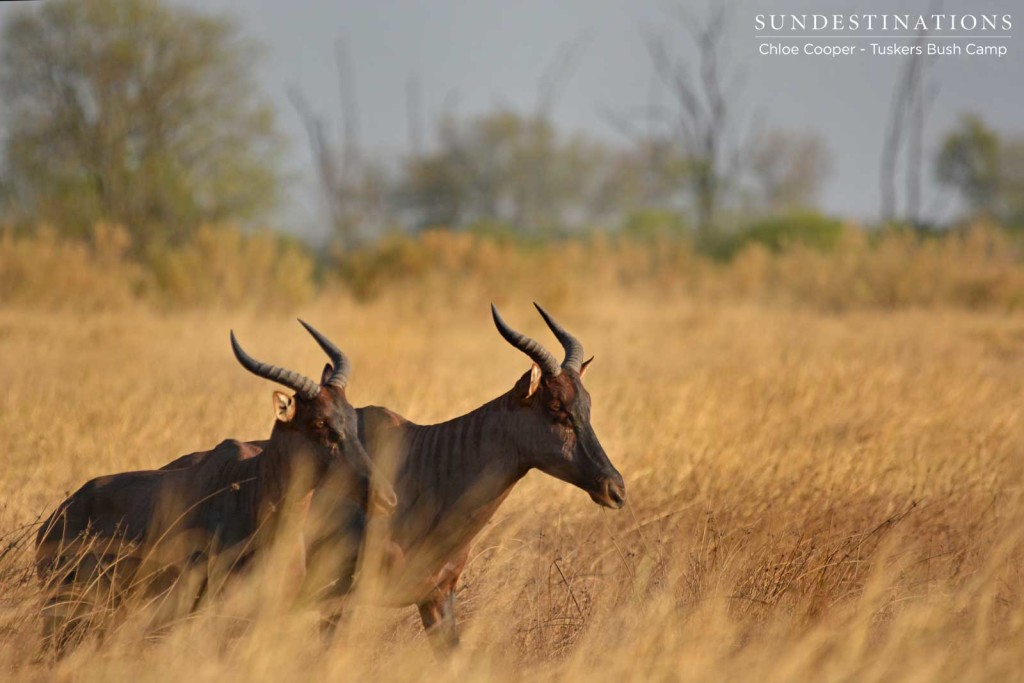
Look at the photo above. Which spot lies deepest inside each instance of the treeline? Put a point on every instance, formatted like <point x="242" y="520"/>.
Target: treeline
<point x="139" y="146"/>
<point x="146" y="115"/>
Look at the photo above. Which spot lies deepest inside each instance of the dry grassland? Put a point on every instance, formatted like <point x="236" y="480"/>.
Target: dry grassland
<point x="812" y="496"/>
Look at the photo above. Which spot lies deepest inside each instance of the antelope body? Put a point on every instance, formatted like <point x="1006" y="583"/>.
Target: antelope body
<point x="451" y="477"/>
<point x="180" y="533"/>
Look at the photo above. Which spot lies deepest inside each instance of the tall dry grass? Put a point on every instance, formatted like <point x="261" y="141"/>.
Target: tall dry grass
<point x="979" y="267"/>
<point x="814" y="494"/>
<point x="219" y="267"/>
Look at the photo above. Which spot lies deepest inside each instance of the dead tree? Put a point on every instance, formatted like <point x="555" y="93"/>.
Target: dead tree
<point x="704" y="117"/>
<point x="348" y="185"/>
<point x="909" y="106"/>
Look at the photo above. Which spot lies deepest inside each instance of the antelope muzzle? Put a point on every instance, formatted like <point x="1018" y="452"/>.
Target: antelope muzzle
<point x="610" y="492"/>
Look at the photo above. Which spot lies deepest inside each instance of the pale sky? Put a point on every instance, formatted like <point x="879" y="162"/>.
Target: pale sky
<point x="485" y="53"/>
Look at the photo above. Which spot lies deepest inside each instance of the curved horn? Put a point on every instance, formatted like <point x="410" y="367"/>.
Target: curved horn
<point x="303" y="386"/>
<point x="573" y="347"/>
<point x="541" y="356"/>
<point x="342" y="366"/>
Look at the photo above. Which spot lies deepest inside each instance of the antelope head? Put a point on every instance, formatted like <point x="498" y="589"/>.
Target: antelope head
<point x="320" y="416"/>
<point x="552" y="429"/>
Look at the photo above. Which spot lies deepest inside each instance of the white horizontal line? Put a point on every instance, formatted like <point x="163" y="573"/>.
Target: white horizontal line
<point x="926" y="37"/>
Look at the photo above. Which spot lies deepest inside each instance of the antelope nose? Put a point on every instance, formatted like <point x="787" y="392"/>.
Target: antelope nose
<point x="615" y="492"/>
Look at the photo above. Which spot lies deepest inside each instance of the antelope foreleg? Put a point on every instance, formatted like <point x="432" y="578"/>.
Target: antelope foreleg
<point x="438" y="616"/>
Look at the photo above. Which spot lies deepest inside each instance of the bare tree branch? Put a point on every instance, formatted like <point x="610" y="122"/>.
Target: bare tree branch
<point x="414" y="111"/>
<point x="911" y="100"/>
<point x="557" y="74"/>
<point x="351" y="153"/>
<point x="324" y="160"/>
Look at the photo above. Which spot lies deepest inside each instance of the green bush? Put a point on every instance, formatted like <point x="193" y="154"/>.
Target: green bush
<point x="651" y="224"/>
<point x="804" y="228"/>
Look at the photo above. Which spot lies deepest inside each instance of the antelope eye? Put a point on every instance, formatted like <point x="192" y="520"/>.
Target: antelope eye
<point x="319" y="424"/>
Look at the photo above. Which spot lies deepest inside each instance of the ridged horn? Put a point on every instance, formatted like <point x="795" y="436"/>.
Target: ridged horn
<point x="340" y="362"/>
<point x="573" y="347"/>
<point x="303" y="386"/>
<point x="537" y="353"/>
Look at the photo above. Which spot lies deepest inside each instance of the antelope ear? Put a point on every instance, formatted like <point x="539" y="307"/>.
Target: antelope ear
<point x="284" y="406"/>
<point x="326" y="374"/>
<point x="535" y="374"/>
<point x="583" y="368"/>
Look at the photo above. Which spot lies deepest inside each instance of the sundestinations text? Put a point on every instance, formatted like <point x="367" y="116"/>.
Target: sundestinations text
<point x="883" y="22"/>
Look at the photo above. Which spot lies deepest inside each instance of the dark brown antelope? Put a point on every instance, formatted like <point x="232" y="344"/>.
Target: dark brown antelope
<point x="179" y="533"/>
<point x="451" y="477"/>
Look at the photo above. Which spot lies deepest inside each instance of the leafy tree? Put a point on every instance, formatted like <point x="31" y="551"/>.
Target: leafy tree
<point x="135" y="112"/>
<point x="969" y="162"/>
<point x="510" y="168"/>
<point x="1012" y="182"/>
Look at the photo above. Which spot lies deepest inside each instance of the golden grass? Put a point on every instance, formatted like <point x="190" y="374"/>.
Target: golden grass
<point x="979" y="267"/>
<point x="220" y="266"/>
<point x="812" y="496"/>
